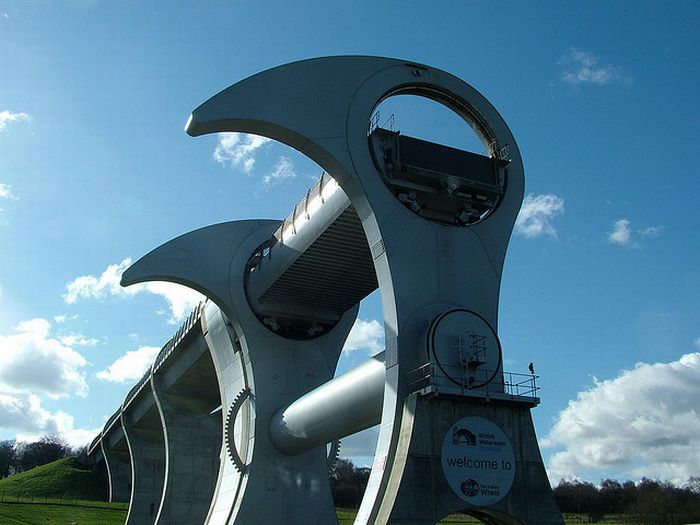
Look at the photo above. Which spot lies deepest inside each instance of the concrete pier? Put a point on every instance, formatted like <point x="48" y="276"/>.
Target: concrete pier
<point x="192" y="437"/>
<point x="147" y="452"/>
<point x="118" y="468"/>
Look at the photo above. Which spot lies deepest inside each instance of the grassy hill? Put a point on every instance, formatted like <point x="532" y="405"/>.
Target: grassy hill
<point x="34" y="514"/>
<point x="65" y="479"/>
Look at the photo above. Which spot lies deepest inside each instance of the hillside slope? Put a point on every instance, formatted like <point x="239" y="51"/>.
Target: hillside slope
<point x="62" y="479"/>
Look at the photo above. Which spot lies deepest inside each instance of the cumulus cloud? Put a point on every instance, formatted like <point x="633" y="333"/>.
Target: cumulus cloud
<point x="642" y="423"/>
<point x="367" y="336"/>
<point x="536" y="214"/>
<point x="180" y="299"/>
<point x="582" y="67"/>
<point x="651" y="231"/>
<point x="24" y="415"/>
<point x="622" y="233"/>
<point x="131" y="366"/>
<point x="238" y="150"/>
<point x="8" y="117"/>
<point x="77" y="339"/>
<point x="284" y="169"/>
<point x="6" y="192"/>
<point x="60" y="319"/>
<point x="33" y="362"/>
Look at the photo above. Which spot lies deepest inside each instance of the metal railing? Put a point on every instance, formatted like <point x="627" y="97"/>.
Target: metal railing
<point x="166" y="351"/>
<point x="480" y="382"/>
<point x="175" y="340"/>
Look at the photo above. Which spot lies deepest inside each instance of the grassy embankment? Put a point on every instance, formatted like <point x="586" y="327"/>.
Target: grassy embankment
<point x="62" y="492"/>
<point x="65" y="492"/>
<point x="60" y="481"/>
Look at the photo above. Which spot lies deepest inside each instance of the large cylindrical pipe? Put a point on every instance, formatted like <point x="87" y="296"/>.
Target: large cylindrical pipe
<point x="347" y="404"/>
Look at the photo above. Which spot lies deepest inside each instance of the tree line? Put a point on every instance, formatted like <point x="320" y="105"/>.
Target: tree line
<point x="18" y="456"/>
<point x="647" y="502"/>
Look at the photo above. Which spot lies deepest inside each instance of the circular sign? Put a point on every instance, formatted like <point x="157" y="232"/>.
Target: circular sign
<point x="478" y="461"/>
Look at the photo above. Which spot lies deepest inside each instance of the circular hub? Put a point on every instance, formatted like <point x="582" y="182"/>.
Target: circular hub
<point x="465" y="348"/>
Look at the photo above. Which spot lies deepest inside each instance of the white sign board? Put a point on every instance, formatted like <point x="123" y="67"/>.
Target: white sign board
<point x="478" y="461"/>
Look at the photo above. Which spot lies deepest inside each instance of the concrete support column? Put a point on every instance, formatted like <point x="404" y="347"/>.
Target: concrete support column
<point x="423" y="495"/>
<point x="192" y="449"/>
<point x="119" y="474"/>
<point x="147" y="473"/>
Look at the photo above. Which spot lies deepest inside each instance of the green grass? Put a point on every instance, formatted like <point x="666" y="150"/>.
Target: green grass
<point x="102" y="513"/>
<point x="65" y="492"/>
<point x="347" y="517"/>
<point x="65" y="479"/>
<point x="33" y="514"/>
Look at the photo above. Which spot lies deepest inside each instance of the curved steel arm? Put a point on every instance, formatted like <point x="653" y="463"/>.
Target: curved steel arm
<point x="200" y="260"/>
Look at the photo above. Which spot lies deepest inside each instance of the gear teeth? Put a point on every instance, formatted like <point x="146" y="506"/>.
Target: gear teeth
<point x="229" y="429"/>
<point x="333" y="455"/>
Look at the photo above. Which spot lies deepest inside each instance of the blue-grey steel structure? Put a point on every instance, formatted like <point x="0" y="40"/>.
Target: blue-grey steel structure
<point x="426" y="224"/>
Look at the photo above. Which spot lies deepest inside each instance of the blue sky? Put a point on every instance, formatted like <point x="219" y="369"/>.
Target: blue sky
<point x="601" y="284"/>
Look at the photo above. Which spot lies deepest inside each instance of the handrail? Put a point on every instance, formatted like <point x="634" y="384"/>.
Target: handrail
<point x="513" y="384"/>
<point x="166" y="351"/>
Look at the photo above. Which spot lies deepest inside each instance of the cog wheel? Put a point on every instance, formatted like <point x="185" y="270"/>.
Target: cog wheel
<point x="333" y="455"/>
<point x="229" y="430"/>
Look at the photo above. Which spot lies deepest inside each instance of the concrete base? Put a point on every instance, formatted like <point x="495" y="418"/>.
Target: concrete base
<point x="192" y="448"/>
<point x="119" y="475"/>
<point x="423" y="495"/>
<point x="147" y="474"/>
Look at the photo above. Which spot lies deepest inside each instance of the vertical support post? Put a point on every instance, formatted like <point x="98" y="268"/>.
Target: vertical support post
<point x="147" y="474"/>
<point x="118" y="474"/>
<point x="192" y="447"/>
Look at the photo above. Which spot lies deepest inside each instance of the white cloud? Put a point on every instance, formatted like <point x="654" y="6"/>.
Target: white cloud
<point x="32" y="362"/>
<point x="7" y="117"/>
<point x="642" y="423"/>
<point x="621" y="233"/>
<point x="697" y="342"/>
<point x="24" y="415"/>
<point x="180" y="298"/>
<point x="367" y="336"/>
<point x="75" y="339"/>
<point x="238" y="150"/>
<point x="581" y="67"/>
<point x="284" y="169"/>
<point x="6" y="192"/>
<point x="651" y="231"/>
<point x="131" y="366"/>
<point x="60" y="319"/>
<point x="536" y="215"/>
<point x="89" y="286"/>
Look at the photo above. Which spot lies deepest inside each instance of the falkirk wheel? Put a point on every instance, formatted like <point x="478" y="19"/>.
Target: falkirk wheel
<point x="426" y="224"/>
